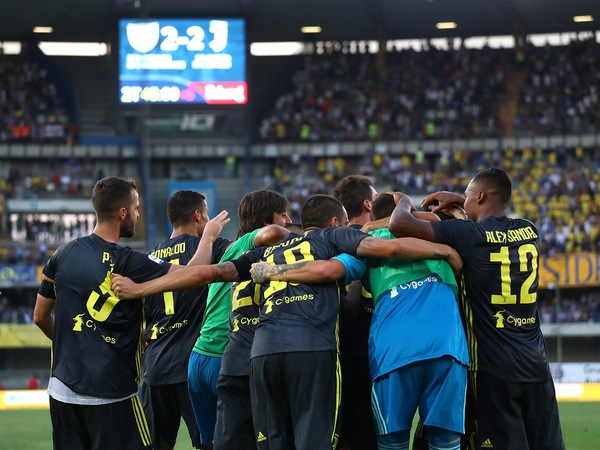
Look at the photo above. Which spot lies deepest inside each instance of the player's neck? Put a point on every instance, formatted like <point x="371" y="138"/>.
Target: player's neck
<point x="108" y="231"/>
<point x="491" y="212"/>
<point x="190" y="229"/>
<point x="360" y="219"/>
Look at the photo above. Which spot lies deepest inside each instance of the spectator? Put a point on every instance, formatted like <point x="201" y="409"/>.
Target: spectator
<point x="33" y="382"/>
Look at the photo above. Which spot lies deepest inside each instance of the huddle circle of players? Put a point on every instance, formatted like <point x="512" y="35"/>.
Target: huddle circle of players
<point x="302" y="340"/>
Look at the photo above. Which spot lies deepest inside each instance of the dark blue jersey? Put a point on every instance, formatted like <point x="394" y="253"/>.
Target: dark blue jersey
<point x="302" y="317"/>
<point x="244" y="317"/>
<point x="354" y="330"/>
<point x="96" y="345"/>
<point x="500" y="282"/>
<point x="173" y="318"/>
<point x="245" y="299"/>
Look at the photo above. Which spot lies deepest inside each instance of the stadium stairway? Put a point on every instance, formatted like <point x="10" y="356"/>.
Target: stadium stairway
<point x="95" y="94"/>
<point x="229" y="194"/>
<point x="509" y="107"/>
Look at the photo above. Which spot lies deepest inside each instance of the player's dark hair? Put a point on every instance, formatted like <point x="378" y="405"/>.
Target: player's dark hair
<point x="352" y="191"/>
<point x="111" y="194"/>
<point x="257" y="208"/>
<point x="382" y="206"/>
<point x="182" y="205"/>
<point x="319" y="210"/>
<point x="495" y="180"/>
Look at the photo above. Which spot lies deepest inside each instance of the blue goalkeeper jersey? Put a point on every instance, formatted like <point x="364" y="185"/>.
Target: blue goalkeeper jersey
<point x="416" y="313"/>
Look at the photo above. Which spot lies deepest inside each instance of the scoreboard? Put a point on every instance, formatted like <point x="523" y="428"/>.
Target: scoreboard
<point x="184" y="61"/>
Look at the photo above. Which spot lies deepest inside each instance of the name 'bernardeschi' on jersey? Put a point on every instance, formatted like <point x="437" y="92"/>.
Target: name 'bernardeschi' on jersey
<point x="519" y="234"/>
<point x="287" y="243"/>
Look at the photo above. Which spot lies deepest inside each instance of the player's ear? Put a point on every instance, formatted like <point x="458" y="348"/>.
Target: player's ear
<point x="481" y="196"/>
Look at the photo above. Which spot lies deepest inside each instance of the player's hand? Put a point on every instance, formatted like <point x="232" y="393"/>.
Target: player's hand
<point x="441" y="200"/>
<point x="455" y="212"/>
<point x="260" y="272"/>
<point x="214" y="226"/>
<point x="401" y="197"/>
<point x="124" y="288"/>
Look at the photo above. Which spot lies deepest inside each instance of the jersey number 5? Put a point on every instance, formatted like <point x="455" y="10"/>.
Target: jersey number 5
<point x="525" y="294"/>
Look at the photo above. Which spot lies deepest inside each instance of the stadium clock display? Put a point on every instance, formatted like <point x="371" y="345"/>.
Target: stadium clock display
<point x="184" y="61"/>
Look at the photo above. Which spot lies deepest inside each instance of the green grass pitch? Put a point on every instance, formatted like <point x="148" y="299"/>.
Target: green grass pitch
<point x="31" y="430"/>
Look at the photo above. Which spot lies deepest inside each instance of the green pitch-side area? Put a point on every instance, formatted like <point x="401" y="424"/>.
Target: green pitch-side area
<point x="31" y="429"/>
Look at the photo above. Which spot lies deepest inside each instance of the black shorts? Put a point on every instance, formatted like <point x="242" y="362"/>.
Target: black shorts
<point x="164" y="407"/>
<point x="517" y="416"/>
<point x="116" y="426"/>
<point x="234" y="429"/>
<point x="357" y="429"/>
<point x="296" y="400"/>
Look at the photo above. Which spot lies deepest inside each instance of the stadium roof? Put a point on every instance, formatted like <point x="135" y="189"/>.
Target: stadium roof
<point x="281" y="20"/>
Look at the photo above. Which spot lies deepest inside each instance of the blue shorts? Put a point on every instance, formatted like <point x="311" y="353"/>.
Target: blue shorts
<point x="203" y="372"/>
<point x="437" y="387"/>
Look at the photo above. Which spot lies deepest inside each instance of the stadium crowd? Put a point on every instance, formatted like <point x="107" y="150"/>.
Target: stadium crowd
<point x="557" y="190"/>
<point x="576" y="306"/>
<point x="560" y="92"/>
<point x="31" y="108"/>
<point x="416" y="95"/>
<point x="16" y="306"/>
<point x="440" y="94"/>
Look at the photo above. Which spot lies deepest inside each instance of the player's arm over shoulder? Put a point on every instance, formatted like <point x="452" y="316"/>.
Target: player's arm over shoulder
<point x="270" y="234"/>
<point x="315" y="271"/>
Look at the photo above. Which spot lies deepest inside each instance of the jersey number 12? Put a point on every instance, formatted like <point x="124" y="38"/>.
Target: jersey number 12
<point x="507" y="297"/>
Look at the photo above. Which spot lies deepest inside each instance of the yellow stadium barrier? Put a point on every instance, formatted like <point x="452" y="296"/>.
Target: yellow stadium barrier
<point x="38" y="399"/>
<point x="24" y="399"/>
<point x="578" y="392"/>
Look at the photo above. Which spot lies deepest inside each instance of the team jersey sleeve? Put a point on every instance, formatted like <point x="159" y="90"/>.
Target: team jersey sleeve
<point x="347" y="239"/>
<point x="355" y="267"/>
<point x="50" y="267"/>
<point x="219" y="248"/>
<point x="254" y="255"/>
<point x="141" y="267"/>
<point x="456" y="233"/>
